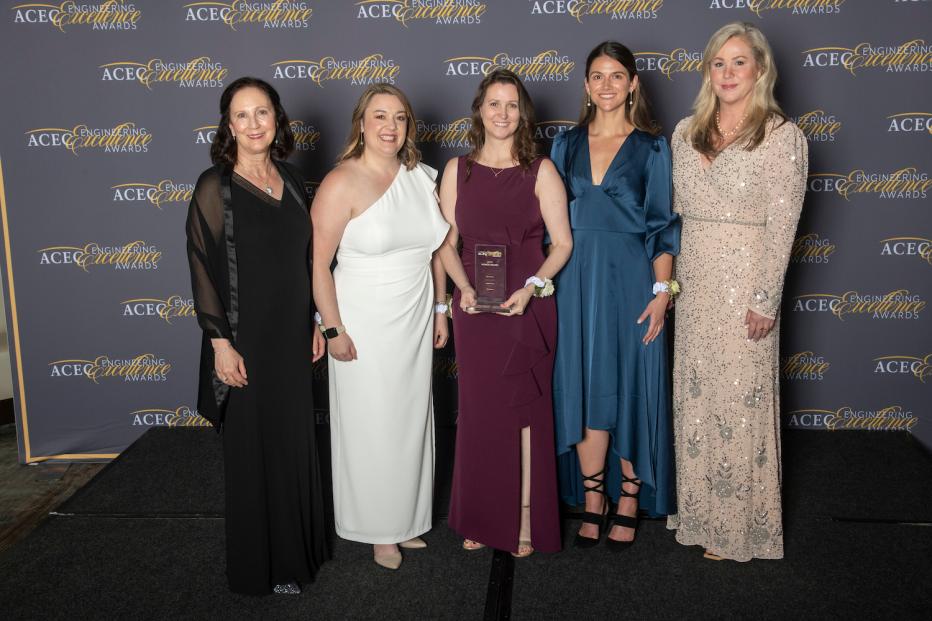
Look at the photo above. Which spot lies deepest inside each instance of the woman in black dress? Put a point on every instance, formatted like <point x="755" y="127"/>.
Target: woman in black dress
<point x="249" y="251"/>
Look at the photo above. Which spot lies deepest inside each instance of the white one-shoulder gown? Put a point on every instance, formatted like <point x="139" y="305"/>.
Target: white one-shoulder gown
<point x="381" y="407"/>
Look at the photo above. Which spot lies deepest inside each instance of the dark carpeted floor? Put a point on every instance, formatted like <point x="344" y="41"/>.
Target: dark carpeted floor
<point x="144" y="540"/>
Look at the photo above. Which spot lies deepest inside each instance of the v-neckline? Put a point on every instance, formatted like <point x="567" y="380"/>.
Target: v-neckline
<point x="258" y="192"/>
<point x="611" y="163"/>
<point x="701" y="157"/>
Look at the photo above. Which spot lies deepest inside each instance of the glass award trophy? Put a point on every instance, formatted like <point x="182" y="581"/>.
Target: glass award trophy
<point x="490" y="278"/>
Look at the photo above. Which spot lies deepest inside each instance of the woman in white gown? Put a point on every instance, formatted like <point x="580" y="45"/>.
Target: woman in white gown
<point x="377" y="213"/>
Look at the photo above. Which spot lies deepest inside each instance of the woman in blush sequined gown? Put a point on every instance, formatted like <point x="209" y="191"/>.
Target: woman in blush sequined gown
<point x="611" y="378"/>
<point x="739" y="176"/>
<point x="504" y="477"/>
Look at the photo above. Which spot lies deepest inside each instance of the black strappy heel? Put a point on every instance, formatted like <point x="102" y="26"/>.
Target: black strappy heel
<point x="593" y="518"/>
<point x="626" y="521"/>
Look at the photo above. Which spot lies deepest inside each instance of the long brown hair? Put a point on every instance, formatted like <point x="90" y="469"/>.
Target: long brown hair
<point x="638" y="112"/>
<point x="223" y="147"/>
<point x="523" y="148"/>
<point x="409" y="155"/>
<point x="702" y="133"/>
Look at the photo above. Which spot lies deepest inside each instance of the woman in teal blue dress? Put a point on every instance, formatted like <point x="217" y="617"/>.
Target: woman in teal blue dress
<point x="611" y="382"/>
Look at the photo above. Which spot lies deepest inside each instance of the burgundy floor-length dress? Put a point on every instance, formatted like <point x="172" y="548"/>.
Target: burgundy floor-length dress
<point x="505" y="370"/>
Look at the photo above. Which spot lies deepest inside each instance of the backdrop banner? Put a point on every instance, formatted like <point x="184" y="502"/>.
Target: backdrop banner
<point x="110" y="108"/>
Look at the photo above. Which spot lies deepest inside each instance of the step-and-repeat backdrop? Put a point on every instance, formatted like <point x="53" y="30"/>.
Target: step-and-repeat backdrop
<point x="109" y="108"/>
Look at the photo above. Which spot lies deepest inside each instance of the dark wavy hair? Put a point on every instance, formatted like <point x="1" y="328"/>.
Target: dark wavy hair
<point x="523" y="149"/>
<point x="223" y="149"/>
<point x="639" y="112"/>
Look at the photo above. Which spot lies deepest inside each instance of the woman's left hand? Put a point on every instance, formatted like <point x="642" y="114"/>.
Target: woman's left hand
<point x="441" y="330"/>
<point x="318" y="345"/>
<point x="518" y="301"/>
<point x="758" y="325"/>
<point x="656" y="310"/>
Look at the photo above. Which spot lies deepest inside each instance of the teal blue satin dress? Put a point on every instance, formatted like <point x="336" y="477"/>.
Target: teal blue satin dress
<point x="604" y="376"/>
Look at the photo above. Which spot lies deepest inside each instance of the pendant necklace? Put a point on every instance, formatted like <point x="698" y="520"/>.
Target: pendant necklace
<point x="267" y="184"/>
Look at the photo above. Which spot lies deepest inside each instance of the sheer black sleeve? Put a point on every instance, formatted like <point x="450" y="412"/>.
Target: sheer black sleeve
<point x="207" y="256"/>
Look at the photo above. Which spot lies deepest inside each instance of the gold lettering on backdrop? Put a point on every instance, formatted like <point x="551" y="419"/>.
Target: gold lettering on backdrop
<point x="165" y="191"/>
<point x="372" y="68"/>
<point x="887" y="305"/>
<point x="173" y="307"/>
<point x="923" y="369"/>
<point x="448" y="10"/>
<point x="539" y="66"/>
<point x="805" y="6"/>
<point x="817" y="123"/>
<point x="610" y="7"/>
<point x="305" y="136"/>
<point x="891" y="418"/>
<point x="809" y="246"/>
<point x="135" y="255"/>
<point x="197" y="69"/>
<point x="804" y="364"/>
<point x="110" y="12"/>
<point x="913" y="53"/>
<point x="141" y="367"/>
<point x="680" y="61"/>
<point x="279" y="11"/>
<point x="451" y="133"/>
<point x="122" y="136"/>
<point x="907" y="179"/>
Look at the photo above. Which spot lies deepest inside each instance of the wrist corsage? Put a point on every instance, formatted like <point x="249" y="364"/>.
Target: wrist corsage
<point x="543" y="287"/>
<point x="445" y="307"/>
<point x="670" y="287"/>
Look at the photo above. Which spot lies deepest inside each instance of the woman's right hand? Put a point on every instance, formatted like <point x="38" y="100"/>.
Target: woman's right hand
<point x="228" y="364"/>
<point x="342" y="348"/>
<point x="468" y="300"/>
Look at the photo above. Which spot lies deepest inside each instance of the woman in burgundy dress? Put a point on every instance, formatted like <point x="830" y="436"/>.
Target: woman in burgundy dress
<point x="504" y="477"/>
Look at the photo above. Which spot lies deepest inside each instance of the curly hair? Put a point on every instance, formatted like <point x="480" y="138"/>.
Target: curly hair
<point x="409" y="155"/>
<point x="523" y="149"/>
<point x="223" y="148"/>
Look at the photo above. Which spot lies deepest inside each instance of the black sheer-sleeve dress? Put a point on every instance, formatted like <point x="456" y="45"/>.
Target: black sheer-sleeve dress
<point x="250" y="272"/>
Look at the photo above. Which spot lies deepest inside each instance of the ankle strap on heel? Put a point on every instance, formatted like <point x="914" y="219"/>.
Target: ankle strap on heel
<point x="633" y="481"/>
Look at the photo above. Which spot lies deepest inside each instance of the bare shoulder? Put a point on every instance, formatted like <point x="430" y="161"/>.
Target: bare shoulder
<point x="547" y="170"/>
<point x="338" y="186"/>
<point x="451" y="168"/>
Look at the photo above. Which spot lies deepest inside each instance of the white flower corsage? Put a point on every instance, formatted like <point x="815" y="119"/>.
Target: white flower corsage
<point x="671" y="287"/>
<point x="543" y="287"/>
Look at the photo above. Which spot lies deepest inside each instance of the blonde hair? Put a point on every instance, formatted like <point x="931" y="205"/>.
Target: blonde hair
<point x="409" y="155"/>
<point x="702" y="133"/>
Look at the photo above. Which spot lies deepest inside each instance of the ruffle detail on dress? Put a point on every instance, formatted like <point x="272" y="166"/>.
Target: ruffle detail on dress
<point x="528" y="349"/>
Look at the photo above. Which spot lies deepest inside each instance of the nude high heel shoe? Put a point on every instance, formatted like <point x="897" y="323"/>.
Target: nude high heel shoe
<point x="415" y="543"/>
<point x="388" y="561"/>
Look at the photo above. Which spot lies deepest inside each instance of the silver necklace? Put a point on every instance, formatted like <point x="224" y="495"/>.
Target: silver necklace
<point x="267" y="183"/>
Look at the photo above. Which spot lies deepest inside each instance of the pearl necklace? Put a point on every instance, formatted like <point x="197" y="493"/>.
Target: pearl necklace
<point x="728" y="134"/>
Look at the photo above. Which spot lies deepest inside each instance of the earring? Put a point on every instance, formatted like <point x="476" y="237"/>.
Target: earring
<point x="630" y="98"/>
<point x="588" y="100"/>
<point x="361" y="140"/>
